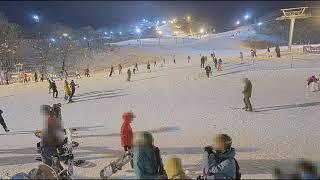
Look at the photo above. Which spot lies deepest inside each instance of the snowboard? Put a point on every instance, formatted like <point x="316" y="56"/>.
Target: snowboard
<point x="116" y="165"/>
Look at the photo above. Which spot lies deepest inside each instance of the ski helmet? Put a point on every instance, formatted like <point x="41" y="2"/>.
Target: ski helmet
<point x="222" y="142"/>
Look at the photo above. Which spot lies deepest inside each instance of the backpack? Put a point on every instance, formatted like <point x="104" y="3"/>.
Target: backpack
<point x="238" y="174"/>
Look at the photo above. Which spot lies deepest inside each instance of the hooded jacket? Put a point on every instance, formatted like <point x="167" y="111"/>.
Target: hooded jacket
<point x="144" y="163"/>
<point x="126" y="131"/>
<point x="174" y="169"/>
<point x="219" y="165"/>
<point x="67" y="89"/>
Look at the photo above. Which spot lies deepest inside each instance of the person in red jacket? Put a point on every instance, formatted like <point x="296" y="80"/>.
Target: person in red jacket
<point x="126" y="131"/>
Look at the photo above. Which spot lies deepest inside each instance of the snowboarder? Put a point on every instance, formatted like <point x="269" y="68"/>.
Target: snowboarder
<point x="35" y="77"/>
<point x="3" y="123"/>
<point x="111" y="71"/>
<point x="173" y="168"/>
<point x="277" y="49"/>
<point x="148" y="67"/>
<point x="66" y="90"/>
<point x="129" y="74"/>
<point x="220" y="64"/>
<point x="73" y="90"/>
<point x="189" y="58"/>
<point x="147" y="162"/>
<point x="208" y="70"/>
<point x="241" y="57"/>
<point x="247" y="91"/>
<point x="136" y="67"/>
<point x="215" y="62"/>
<point x="219" y="161"/>
<point x="54" y="89"/>
<point x="120" y="68"/>
<point x="126" y="133"/>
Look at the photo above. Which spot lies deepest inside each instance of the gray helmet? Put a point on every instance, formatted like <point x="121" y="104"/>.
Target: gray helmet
<point x="143" y="139"/>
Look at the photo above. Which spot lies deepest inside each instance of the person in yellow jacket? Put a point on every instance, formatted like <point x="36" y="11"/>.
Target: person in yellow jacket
<point x="66" y="90"/>
<point x="173" y="168"/>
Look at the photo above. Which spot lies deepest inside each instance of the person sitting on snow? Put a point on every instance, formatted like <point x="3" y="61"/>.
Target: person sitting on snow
<point x="219" y="161"/>
<point x="173" y="168"/>
<point x="147" y="162"/>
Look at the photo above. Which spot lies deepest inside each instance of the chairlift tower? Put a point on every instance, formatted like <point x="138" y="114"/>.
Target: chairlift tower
<point x="293" y="14"/>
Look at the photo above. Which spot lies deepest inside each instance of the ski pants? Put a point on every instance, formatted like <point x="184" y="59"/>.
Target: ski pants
<point x="247" y="103"/>
<point x="208" y="74"/>
<point x="3" y="123"/>
<point x="55" y="93"/>
<point x="46" y="154"/>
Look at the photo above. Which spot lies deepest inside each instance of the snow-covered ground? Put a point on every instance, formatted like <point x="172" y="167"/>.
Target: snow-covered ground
<point x="183" y="108"/>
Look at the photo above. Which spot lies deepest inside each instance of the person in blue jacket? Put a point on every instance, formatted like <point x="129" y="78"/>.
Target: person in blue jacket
<point x="147" y="161"/>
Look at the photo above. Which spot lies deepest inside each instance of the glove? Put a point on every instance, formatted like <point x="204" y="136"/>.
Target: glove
<point x="209" y="149"/>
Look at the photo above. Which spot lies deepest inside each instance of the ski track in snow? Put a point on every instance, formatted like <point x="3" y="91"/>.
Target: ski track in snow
<point x="183" y="109"/>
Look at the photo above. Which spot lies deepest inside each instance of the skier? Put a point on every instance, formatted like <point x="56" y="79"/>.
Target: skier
<point x="205" y="59"/>
<point x="78" y="74"/>
<point x="269" y="53"/>
<point x="136" y="67"/>
<point x="252" y="53"/>
<point x="148" y="67"/>
<point x="147" y="162"/>
<point x="277" y="49"/>
<point x="25" y="80"/>
<point x="202" y="62"/>
<point x="219" y="161"/>
<point x="174" y="60"/>
<point x="66" y="90"/>
<point x="42" y="77"/>
<point x="35" y="77"/>
<point x="241" y="57"/>
<point x="50" y="84"/>
<point x="73" y="90"/>
<point x="208" y="70"/>
<point x="247" y="91"/>
<point x="215" y="62"/>
<point x="313" y="81"/>
<point x="173" y="168"/>
<point x="3" y="123"/>
<point x="120" y="68"/>
<point x="255" y="52"/>
<point x="111" y="71"/>
<point x="54" y="89"/>
<point x="155" y="64"/>
<point x="129" y="74"/>
<point x="134" y="70"/>
<point x="220" y="64"/>
<point x="87" y="72"/>
<point x="189" y="58"/>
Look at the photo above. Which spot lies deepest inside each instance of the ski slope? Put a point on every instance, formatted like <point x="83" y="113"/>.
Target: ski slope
<point x="182" y="108"/>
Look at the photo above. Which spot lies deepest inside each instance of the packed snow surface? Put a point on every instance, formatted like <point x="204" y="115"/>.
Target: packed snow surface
<point x="182" y="108"/>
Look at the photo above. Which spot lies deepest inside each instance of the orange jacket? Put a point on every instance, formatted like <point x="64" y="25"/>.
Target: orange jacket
<point x="126" y="131"/>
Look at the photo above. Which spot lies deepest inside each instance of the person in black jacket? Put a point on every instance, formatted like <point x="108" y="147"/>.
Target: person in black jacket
<point x="208" y="70"/>
<point x="2" y="122"/>
<point x="54" y="89"/>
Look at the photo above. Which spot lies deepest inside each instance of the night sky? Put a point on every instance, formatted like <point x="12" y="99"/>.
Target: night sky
<point x="112" y="13"/>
